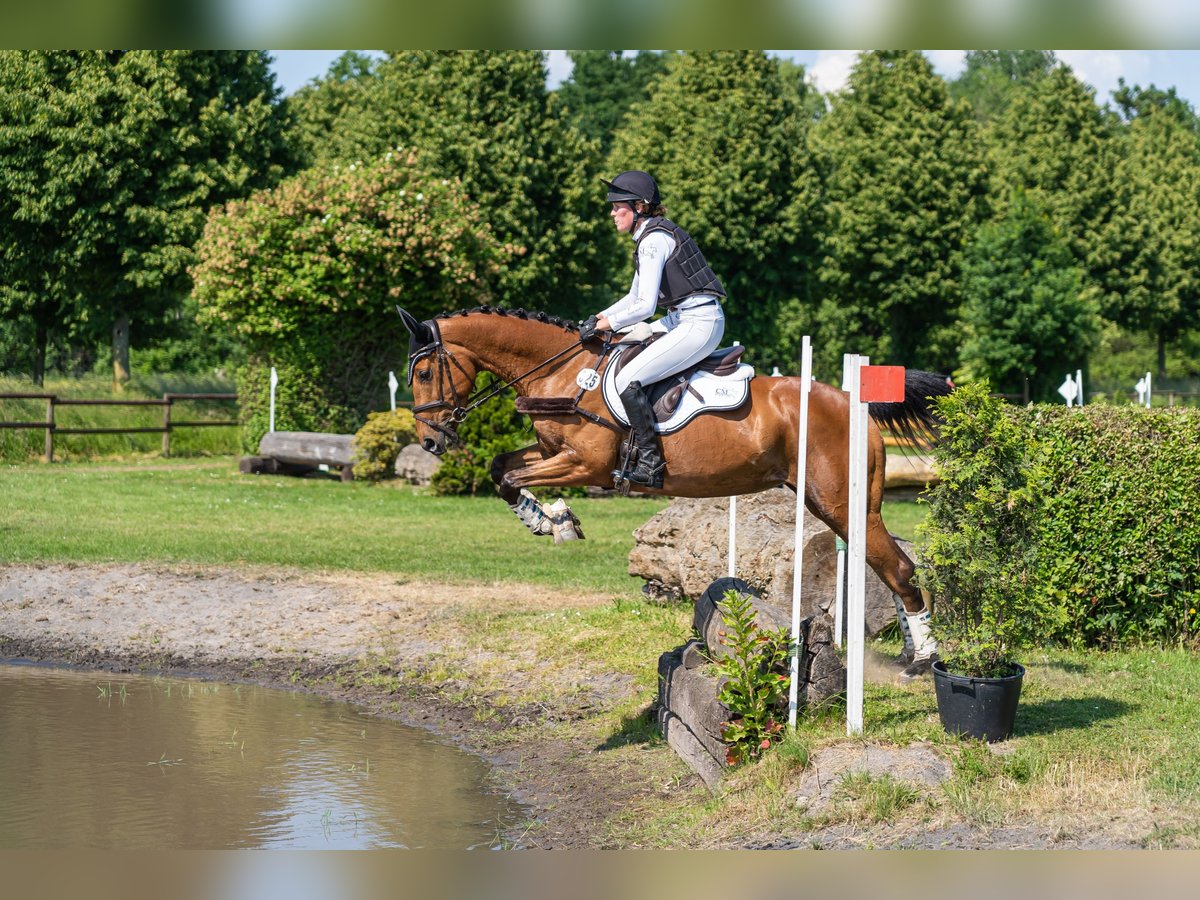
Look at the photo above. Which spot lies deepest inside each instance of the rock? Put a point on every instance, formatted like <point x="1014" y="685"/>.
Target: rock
<point x="684" y="548"/>
<point x="416" y="465"/>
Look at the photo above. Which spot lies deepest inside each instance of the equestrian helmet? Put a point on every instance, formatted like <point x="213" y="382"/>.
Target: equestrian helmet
<point x="632" y="185"/>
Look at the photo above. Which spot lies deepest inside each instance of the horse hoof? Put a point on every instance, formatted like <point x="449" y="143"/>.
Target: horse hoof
<point x="918" y="668"/>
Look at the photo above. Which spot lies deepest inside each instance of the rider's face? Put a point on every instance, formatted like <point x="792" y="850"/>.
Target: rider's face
<point x="622" y="216"/>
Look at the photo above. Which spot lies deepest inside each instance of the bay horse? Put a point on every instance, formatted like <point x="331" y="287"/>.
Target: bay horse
<point x="719" y="454"/>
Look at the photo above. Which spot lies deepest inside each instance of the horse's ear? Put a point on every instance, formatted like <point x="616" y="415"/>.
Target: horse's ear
<point x="420" y="332"/>
<point x="414" y="327"/>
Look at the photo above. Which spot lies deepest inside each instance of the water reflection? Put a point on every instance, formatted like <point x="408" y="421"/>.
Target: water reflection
<point x="92" y="761"/>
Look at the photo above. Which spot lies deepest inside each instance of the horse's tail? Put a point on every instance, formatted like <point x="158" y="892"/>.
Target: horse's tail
<point x="913" y="419"/>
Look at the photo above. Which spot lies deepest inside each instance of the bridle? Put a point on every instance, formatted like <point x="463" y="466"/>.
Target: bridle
<point x="459" y="409"/>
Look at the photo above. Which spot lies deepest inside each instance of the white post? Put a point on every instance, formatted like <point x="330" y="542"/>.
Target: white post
<point x="1079" y="384"/>
<point x="856" y="552"/>
<point x="798" y="552"/>
<point x="274" y="384"/>
<point x="732" y="565"/>
<point x="839" y="597"/>
<point x="732" y="536"/>
<point x="392" y="385"/>
<point x="1148" y="390"/>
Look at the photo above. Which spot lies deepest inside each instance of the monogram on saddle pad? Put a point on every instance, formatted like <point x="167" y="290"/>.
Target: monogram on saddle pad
<point x="718" y="382"/>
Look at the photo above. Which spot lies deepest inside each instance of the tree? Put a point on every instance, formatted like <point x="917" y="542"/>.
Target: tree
<point x="307" y="275"/>
<point x="724" y="139"/>
<point x="1023" y="312"/>
<point x="47" y="118"/>
<point x="989" y="78"/>
<point x="110" y="161"/>
<point x="1054" y="144"/>
<point x="603" y="86"/>
<point x="905" y="188"/>
<point x="1151" y="242"/>
<point x="486" y="119"/>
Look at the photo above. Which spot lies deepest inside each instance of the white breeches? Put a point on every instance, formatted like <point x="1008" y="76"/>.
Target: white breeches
<point x="691" y="335"/>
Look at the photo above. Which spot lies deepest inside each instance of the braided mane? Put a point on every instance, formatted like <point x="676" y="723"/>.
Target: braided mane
<point x="532" y="315"/>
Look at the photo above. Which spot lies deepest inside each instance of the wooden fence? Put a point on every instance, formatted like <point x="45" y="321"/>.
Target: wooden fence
<point x="168" y="424"/>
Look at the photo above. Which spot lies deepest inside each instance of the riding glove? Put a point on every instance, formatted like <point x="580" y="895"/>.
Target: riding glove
<point x="587" y="328"/>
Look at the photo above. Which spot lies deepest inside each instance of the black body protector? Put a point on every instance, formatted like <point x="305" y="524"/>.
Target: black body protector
<point x="686" y="272"/>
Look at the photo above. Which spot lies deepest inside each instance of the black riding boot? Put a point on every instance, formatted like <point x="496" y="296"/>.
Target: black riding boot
<point x="650" y="466"/>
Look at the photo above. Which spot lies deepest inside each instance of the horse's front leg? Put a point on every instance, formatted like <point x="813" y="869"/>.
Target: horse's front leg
<point x="561" y="469"/>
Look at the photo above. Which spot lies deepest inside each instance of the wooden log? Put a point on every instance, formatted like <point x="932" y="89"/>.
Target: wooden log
<point x="308" y="448"/>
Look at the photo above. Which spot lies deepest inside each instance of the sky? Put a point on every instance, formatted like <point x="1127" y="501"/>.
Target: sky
<point x="1179" y="69"/>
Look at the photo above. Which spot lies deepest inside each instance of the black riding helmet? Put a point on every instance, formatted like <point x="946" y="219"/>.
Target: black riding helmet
<point x="632" y="186"/>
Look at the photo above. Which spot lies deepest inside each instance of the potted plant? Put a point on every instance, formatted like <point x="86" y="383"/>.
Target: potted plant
<point x="977" y="554"/>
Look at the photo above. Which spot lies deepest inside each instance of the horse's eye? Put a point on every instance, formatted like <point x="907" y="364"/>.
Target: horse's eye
<point x="425" y="375"/>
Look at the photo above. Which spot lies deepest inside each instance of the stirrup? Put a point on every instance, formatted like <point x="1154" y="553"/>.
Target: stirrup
<point x="641" y="475"/>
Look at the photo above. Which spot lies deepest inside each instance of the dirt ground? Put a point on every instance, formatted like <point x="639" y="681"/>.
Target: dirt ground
<point x="314" y="631"/>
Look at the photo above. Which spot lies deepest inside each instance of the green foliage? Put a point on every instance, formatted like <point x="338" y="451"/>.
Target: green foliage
<point x="904" y="189"/>
<point x="1053" y="144"/>
<point x="379" y="442"/>
<point x="307" y="275"/>
<point x="484" y="119"/>
<point x="1057" y="524"/>
<point x="109" y="161"/>
<point x="723" y="136"/>
<point x="1022" y="315"/>
<point x="1119" y="549"/>
<point x="603" y="86"/>
<point x="1151" y="238"/>
<point x="979" y="549"/>
<point x="491" y="429"/>
<point x="990" y="77"/>
<point x="753" y="686"/>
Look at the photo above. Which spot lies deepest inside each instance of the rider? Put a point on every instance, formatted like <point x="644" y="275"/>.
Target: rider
<point x="669" y="271"/>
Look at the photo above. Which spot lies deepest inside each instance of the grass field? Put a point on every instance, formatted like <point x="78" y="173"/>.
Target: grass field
<point x="204" y="511"/>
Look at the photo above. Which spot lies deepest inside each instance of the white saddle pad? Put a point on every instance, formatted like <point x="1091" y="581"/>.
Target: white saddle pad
<point x="716" y="393"/>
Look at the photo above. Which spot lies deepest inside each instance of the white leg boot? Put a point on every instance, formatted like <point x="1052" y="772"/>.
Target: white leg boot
<point x="909" y="652"/>
<point x="565" y="525"/>
<point x="531" y="514"/>
<point x="925" y="646"/>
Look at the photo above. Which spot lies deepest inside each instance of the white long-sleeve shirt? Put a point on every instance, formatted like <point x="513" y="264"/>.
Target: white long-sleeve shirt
<point x="641" y="301"/>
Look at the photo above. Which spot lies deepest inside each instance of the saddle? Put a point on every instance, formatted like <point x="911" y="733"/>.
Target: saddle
<point x="720" y="381"/>
<point x="666" y="395"/>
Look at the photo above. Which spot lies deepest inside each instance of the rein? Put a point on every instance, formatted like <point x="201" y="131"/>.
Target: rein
<point x="459" y="412"/>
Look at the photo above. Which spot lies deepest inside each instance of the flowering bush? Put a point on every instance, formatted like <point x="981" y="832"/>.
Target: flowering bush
<point x="308" y="274"/>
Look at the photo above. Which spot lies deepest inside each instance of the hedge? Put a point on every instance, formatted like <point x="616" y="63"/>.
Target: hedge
<point x="1113" y="554"/>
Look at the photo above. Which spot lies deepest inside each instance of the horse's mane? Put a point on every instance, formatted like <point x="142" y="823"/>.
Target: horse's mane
<point x="532" y="315"/>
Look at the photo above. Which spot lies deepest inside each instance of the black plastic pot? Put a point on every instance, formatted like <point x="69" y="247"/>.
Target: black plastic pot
<point x="983" y="708"/>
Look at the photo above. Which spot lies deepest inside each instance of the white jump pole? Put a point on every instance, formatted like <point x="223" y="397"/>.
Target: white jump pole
<point x="798" y="554"/>
<point x="274" y="384"/>
<point x="732" y="536"/>
<point x="839" y="596"/>
<point x="856" y="551"/>
<point x="392" y="385"/>
<point x="731" y="569"/>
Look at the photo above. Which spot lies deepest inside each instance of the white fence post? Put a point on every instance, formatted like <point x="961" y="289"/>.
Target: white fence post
<point x="392" y="385"/>
<point x="856" y="554"/>
<point x="798" y="553"/>
<point x="274" y="384"/>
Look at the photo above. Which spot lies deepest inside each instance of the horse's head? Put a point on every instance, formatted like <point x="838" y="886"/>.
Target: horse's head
<point x="441" y="384"/>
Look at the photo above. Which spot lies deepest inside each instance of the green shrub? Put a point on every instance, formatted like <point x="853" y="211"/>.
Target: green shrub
<point x="753" y="688"/>
<point x="491" y="429"/>
<point x="1119" y="545"/>
<point x="979" y="540"/>
<point x="379" y="441"/>
<point x="1084" y="516"/>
